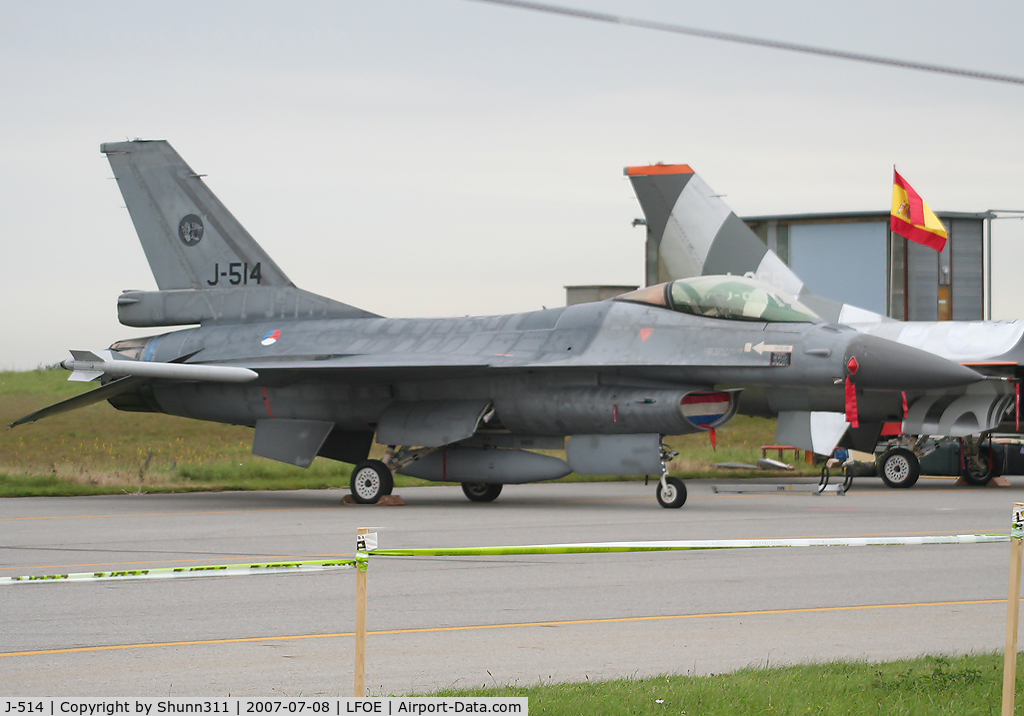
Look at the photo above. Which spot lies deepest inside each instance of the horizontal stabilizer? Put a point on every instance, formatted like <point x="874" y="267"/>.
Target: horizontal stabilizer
<point x="105" y="392"/>
<point x="148" y="309"/>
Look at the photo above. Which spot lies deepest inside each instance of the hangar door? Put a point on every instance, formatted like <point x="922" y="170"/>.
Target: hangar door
<point x="929" y="285"/>
<point x="843" y="261"/>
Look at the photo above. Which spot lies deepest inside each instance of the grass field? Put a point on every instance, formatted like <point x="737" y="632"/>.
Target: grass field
<point x="964" y="686"/>
<point x="102" y="450"/>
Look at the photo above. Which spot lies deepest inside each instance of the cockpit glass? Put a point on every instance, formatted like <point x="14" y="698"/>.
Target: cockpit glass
<point x="735" y="298"/>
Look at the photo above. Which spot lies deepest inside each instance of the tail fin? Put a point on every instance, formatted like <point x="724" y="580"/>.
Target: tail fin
<point x="197" y="249"/>
<point x="691" y="232"/>
<point x="189" y="237"/>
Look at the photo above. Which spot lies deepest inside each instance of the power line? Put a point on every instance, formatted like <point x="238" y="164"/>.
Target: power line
<point x="747" y="40"/>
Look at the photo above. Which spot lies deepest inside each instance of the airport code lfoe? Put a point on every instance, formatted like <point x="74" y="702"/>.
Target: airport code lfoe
<point x="234" y="706"/>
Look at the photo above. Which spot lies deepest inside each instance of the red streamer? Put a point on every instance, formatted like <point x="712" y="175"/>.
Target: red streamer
<point x="851" y="404"/>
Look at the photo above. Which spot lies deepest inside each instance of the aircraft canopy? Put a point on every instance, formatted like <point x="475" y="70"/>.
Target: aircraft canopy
<point x="736" y="298"/>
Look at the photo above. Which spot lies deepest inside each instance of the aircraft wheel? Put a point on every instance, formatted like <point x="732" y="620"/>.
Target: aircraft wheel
<point x="371" y="480"/>
<point x="674" y="494"/>
<point x="899" y="467"/>
<point x="481" y="491"/>
<point x="979" y="469"/>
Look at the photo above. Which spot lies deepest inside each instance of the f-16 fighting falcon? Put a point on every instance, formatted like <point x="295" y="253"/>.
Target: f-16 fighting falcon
<point x="468" y="400"/>
<point x="691" y="232"/>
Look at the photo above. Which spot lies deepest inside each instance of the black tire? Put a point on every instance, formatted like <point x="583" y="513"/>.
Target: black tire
<point x="370" y="481"/>
<point x="674" y="496"/>
<point x="481" y="491"/>
<point x="982" y="470"/>
<point x="997" y="461"/>
<point x="899" y="468"/>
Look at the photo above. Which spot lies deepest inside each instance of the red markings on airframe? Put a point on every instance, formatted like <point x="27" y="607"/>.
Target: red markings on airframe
<point x="266" y="402"/>
<point x="645" y="333"/>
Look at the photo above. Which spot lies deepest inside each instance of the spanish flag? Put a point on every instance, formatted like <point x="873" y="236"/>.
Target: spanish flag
<point x="912" y="219"/>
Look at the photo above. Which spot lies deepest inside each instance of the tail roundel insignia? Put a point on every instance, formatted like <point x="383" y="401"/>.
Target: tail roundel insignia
<point x="190" y="230"/>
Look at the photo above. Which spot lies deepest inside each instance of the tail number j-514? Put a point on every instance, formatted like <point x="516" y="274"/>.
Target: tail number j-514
<point x="237" y="274"/>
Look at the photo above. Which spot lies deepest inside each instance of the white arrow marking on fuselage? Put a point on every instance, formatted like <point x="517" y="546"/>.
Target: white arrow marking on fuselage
<point x="763" y="348"/>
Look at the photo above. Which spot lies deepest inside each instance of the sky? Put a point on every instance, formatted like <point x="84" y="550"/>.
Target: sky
<point x="452" y="157"/>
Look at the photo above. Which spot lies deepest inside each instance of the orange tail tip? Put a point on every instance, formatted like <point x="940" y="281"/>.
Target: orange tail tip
<point x="657" y="169"/>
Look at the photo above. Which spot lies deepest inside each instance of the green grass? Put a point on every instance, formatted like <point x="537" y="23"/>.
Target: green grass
<point x="963" y="685"/>
<point x="100" y="450"/>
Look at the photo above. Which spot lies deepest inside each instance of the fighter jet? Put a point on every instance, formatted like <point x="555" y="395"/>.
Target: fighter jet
<point x="467" y="400"/>
<point x="691" y="232"/>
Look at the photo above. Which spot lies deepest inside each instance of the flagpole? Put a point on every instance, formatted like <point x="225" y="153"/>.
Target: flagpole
<point x="988" y="277"/>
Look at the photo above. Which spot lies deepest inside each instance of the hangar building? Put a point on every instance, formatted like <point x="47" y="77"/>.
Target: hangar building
<point x="855" y="258"/>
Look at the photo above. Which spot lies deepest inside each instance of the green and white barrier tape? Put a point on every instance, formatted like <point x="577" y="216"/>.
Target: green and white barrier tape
<point x="362" y="557"/>
<point x="198" y="571"/>
<point x="682" y="545"/>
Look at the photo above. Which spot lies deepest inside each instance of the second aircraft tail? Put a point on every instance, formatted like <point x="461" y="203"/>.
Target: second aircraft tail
<point x="692" y="232"/>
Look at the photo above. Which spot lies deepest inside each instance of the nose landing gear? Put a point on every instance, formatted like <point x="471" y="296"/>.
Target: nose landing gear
<point x="671" y="492"/>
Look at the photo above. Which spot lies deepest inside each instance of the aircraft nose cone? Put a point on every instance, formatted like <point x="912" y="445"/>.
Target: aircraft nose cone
<point x="877" y="363"/>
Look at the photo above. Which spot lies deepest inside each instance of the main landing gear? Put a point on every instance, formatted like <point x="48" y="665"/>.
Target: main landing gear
<point x="671" y="492"/>
<point x="899" y="467"/>
<point x="371" y="480"/>
<point x="481" y="491"/>
<point x="979" y="463"/>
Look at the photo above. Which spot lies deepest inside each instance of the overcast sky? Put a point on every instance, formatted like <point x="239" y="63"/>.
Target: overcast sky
<point x="449" y="157"/>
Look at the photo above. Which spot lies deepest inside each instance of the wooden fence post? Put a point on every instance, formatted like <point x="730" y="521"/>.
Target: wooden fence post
<point x="361" y="565"/>
<point x="1013" y="609"/>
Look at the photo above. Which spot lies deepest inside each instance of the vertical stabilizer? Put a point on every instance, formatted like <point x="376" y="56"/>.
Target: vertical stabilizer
<point x="191" y="240"/>
<point x="692" y="232"/>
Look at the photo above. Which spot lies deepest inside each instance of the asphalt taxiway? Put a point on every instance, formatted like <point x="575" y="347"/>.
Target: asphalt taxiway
<point x="440" y="622"/>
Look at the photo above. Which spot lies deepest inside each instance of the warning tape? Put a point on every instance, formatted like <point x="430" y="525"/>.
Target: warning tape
<point x="681" y="545"/>
<point x="198" y="571"/>
<point x="596" y="547"/>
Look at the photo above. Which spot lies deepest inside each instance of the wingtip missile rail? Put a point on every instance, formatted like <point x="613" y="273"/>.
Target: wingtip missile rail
<point x="87" y="365"/>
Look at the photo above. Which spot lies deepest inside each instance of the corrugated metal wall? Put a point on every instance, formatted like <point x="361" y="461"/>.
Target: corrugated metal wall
<point x="965" y="238"/>
<point x="922" y="283"/>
